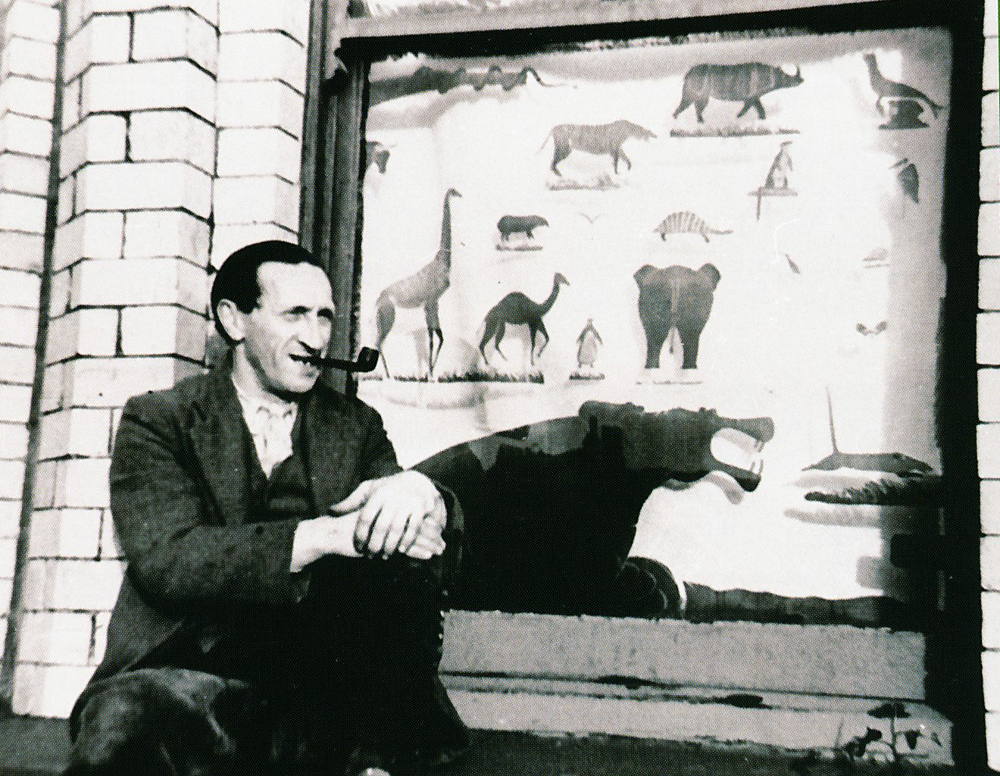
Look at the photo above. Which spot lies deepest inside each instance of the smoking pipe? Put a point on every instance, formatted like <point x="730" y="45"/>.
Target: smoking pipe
<point x="366" y="361"/>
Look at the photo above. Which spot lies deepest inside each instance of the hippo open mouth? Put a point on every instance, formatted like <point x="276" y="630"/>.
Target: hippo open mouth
<point x="683" y="442"/>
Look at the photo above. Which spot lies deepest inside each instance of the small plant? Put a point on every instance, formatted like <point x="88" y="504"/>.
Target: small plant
<point x="859" y="746"/>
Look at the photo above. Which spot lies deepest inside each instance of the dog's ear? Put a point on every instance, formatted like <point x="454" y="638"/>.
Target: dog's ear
<point x="642" y="273"/>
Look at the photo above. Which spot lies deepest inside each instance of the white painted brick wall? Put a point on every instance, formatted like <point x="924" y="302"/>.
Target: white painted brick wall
<point x="989" y="229"/>
<point x="21" y="250"/>
<point x="17" y="364"/>
<point x="260" y="104"/>
<point x="265" y="199"/>
<point x="48" y="691"/>
<point x="252" y="56"/>
<point x="162" y="330"/>
<point x="28" y="96"/>
<point x="65" y="533"/>
<point x="88" y="236"/>
<point x="148" y="85"/>
<point x="143" y="186"/>
<point x="172" y="134"/>
<point x="11" y="479"/>
<point x="175" y="34"/>
<point x="153" y="233"/>
<point x="27" y="174"/>
<point x="229" y="237"/>
<point x="265" y="15"/>
<point x="56" y="638"/>
<point x="264" y="151"/>
<point x="89" y="332"/>
<point x="18" y="326"/>
<point x="23" y="56"/>
<point x="13" y="441"/>
<point x="102" y="40"/>
<point x="19" y="289"/>
<point x="991" y="120"/>
<point x="77" y="431"/>
<point x="21" y="212"/>
<point x="72" y="584"/>
<point x="78" y="11"/>
<point x="98" y="138"/>
<point x="32" y="21"/>
<point x="139" y="281"/>
<point x="25" y="135"/>
<point x="110" y="382"/>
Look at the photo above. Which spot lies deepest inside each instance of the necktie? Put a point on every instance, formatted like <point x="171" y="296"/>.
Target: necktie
<point x="273" y="438"/>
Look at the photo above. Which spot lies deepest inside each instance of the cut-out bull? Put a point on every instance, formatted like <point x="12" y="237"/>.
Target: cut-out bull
<point x="746" y="83"/>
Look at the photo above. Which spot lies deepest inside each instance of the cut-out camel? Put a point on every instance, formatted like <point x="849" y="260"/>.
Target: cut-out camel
<point x="516" y="308"/>
<point x="421" y="289"/>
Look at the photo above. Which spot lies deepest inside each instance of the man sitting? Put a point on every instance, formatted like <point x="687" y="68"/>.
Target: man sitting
<point x="281" y="608"/>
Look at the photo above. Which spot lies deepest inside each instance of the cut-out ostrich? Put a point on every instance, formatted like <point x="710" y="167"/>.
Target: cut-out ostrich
<point x="421" y="289"/>
<point x="516" y="308"/>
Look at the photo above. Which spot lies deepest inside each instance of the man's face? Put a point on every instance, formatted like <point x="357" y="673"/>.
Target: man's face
<point x="293" y="319"/>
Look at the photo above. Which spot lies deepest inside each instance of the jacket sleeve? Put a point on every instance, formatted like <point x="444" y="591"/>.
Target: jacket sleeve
<point x="178" y="558"/>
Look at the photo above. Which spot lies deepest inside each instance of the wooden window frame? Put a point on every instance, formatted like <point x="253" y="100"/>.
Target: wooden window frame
<point x="342" y="48"/>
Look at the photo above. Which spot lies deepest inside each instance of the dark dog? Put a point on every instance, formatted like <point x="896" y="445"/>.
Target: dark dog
<point x="168" y="722"/>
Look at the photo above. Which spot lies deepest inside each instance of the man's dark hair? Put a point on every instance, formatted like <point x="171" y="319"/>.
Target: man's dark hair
<point x="237" y="279"/>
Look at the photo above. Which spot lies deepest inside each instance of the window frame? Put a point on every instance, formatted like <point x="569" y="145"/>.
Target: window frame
<point x="342" y="48"/>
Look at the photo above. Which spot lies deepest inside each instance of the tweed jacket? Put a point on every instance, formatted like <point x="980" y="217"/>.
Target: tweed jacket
<point x="181" y="501"/>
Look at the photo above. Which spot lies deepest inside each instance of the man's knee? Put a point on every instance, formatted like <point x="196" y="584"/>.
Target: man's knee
<point x="167" y="721"/>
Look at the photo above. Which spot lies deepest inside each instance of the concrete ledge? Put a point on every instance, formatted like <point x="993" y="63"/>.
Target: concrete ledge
<point x="690" y="714"/>
<point x="814" y="659"/>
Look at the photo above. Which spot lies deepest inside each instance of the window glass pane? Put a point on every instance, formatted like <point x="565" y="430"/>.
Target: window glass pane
<point x="669" y="302"/>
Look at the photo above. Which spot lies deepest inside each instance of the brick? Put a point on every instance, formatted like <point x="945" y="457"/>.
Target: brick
<point x="17" y="364"/>
<point x="144" y="186"/>
<point x="989" y="501"/>
<point x="10" y="518"/>
<point x="71" y="104"/>
<point x="102" y="40"/>
<point x="89" y="236"/>
<point x="28" y="96"/>
<point x="61" y="638"/>
<point x="11" y="479"/>
<point x="990" y="19"/>
<point x="21" y="250"/>
<point x="100" y="641"/>
<point x="110" y="382"/>
<point x="66" y="206"/>
<point x="48" y="691"/>
<point x="98" y="138"/>
<point x="153" y="233"/>
<point x="65" y="533"/>
<point x="260" y="104"/>
<point x="993" y="740"/>
<point x="991" y="119"/>
<point x="139" y="281"/>
<point x="81" y="482"/>
<point x="164" y="330"/>
<point x="991" y="620"/>
<point x="76" y="431"/>
<point x="227" y="238"/>
<point x="256" y="199"/>
<point x="291" y="17"/>
<point x="24" y="174"/>
<point x="22" y="56"/>
<point x="173" y="135"/>
<point x="45" y="485"/>
<point x="13" y="443"/>
<point x="991" y="679"/>
<point x="80" y="584"/>
<point x="25" y="135"/>
<point x="989" y="395"/>
<point x="175" y="34"/>
<point x="148" y="85"/>
<point x="32" y="21"/>
<point x="262" y="56"/>
<point x="989" y="554"/>
<point x="79" y="10"/>
<point x="989" y="229"/>
<point x="991" y="71"/>
<point x="989" y="177"/>
<point x="18" y="326"/>
<point x="20" y="289"/>
<point x="263" y="151"/>
<point x="53" y="387"/>
<point x="988" y="338"/>
<point x="22" y="212"/>
<point x="90" y="332"/>
<point x="110" y="548"/>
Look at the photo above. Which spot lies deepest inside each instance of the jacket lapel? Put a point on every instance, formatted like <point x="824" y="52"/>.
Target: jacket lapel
<point x="219" y="440"/>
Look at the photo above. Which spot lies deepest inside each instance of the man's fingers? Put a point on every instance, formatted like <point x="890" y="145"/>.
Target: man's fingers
<point x="424" y="548"/>
<point x="367" y="520"/>
<point x="395" y="534"/>
<point x="412" y="527"/>
<point x="354" y="501"/>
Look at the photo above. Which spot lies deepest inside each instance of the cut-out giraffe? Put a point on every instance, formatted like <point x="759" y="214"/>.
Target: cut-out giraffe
<point x="421" y="289"/>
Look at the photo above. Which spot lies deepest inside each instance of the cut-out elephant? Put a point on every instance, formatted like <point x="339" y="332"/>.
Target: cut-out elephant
<point x="675" y="298"/>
